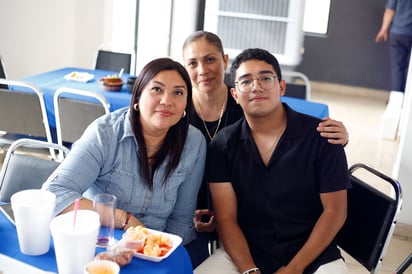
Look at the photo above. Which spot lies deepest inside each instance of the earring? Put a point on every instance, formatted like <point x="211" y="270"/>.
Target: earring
<point x="136" y="107"/>
<point x="184" y="114"/>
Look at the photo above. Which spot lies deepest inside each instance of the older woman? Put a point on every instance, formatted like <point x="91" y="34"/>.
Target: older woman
<point x="147" y="155"/>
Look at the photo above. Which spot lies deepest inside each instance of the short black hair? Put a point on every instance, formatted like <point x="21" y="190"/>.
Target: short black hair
<point x="255" y="54"/>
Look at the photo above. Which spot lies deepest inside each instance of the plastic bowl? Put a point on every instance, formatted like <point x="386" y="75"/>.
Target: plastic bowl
<point x="135" y="244"/>
<point x="111" y="85"/>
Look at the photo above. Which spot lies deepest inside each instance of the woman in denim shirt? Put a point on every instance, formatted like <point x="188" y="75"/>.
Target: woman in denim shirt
<point x="147" y="155"/>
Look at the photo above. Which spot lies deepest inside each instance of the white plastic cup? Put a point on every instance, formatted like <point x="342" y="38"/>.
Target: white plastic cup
<point x="105" y="205"/>
<point x="33" y="210"/>
<point x="101" y="266"/>
<point x="74" y="246"/>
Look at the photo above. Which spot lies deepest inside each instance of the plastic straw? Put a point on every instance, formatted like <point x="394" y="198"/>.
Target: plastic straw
<point x="76" y="208"/>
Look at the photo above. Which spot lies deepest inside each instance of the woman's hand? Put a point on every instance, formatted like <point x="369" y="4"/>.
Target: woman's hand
<point x="199" y="220"/>
<point x="334" y="130"/>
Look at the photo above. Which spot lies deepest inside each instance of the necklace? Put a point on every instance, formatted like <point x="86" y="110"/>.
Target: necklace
<point x="218" y="123"/>
<point x="268" y="153"/>
<point x="276" y="139"/>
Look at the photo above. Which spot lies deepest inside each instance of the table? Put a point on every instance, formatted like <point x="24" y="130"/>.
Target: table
<point x="316" y="109"/>
<point x="49" y="82"/>
<point x="178" y="262"/>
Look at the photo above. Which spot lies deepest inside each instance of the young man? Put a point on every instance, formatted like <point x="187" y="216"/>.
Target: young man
<point x="279" y="190"/>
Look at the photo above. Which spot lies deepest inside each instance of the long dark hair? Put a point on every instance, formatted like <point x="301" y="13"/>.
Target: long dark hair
<point x="175" y="139"/>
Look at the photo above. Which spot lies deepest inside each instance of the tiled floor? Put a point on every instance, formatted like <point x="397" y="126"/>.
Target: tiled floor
<point x="361" y="110"/>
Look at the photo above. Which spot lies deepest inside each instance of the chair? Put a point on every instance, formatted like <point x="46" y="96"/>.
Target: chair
<point x="372" y="213"/>
<point x="2" y="73"/>
<point x="113" y="61"/>
<point x="22" y="170"/>
<point x="404" y="265"/>
<point x="23" y="113"/>
<point x="74" y="110"/>
<point x="297" y="84"/>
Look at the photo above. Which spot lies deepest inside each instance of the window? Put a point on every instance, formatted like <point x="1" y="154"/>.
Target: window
<point x="272" y="25"/>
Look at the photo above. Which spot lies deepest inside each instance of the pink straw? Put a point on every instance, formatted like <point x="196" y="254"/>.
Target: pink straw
<point x="76" y="208"/>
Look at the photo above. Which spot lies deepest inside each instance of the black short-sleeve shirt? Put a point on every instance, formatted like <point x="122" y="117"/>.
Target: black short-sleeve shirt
<point x="279" y="204"/>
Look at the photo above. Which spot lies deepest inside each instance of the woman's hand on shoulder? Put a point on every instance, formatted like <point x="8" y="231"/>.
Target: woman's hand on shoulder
<point x="334" y="131"/>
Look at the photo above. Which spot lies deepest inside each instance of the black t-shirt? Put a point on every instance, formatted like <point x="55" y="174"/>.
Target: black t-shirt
<point x="279" y="204"/>
<point x="233" y="113"/>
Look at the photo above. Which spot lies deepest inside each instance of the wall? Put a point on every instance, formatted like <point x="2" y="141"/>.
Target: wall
<point x="348" y="55"/>
<point x="403" y="165"/>
<point x="41" y="35"/>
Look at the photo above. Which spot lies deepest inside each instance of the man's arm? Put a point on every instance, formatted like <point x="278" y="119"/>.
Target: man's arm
<point x="225" y="207"/>
<point x="386" y="23"/>
<point x="324" y="231"/>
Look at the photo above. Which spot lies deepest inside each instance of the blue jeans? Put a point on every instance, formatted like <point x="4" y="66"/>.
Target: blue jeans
<point x="399" y="53"/>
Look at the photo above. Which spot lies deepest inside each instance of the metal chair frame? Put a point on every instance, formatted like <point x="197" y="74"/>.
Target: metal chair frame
<point x="371" y="218"/>
<point x="23" y="113"/>
<point x="29" y="169"/>
<point x="291" y="85"/>
<point x="74" y="114"/>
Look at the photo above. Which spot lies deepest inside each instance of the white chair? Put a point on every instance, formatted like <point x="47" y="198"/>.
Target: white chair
<point x="74" y="110"/>
<point x="22" y="112"/>
<point x="297" y="84"/>
<point x="26" y="170"/>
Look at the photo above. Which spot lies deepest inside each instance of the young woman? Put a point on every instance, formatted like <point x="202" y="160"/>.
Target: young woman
<point x="147" y="155"/>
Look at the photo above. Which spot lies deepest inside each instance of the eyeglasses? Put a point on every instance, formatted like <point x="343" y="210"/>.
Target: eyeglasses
<point x="266" y="82"/>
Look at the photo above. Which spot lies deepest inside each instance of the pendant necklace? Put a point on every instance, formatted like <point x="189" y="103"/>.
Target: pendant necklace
<point x="218" y="123"/>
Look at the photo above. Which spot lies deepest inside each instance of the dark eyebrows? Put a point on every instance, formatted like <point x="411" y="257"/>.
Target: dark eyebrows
<point x="262" y="72"/>
<point x="157" y="82"/>
<point x="181" y="87"/>
<point x="163" y="85"/>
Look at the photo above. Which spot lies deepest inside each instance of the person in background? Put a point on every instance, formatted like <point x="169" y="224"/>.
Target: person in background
<point x="397" y="28"/>
<point x="279" y="190"/>
<point x="214" y="109"/>
<point x="147" y="155"/>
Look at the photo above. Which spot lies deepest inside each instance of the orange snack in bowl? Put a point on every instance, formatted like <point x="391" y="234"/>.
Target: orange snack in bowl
<point x="154" y="244"/>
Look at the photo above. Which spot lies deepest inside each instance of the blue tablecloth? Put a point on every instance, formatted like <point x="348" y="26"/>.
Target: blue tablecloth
<point x="178" y="262"/>
<point x="49" y="82"/>
<point x="318" y="110"/>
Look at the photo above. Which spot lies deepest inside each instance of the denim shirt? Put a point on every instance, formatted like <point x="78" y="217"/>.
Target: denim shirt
<point x="105" y="159"/>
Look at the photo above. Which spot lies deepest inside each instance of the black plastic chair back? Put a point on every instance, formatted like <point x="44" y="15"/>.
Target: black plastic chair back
<point x="113" y="61"/>
<point x="371" y="219"/>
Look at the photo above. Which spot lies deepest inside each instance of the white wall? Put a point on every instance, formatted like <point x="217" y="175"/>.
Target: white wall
<point x="37" y="36"/>
<point x="403" y="165"/>
<point x="42" y="35"/>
